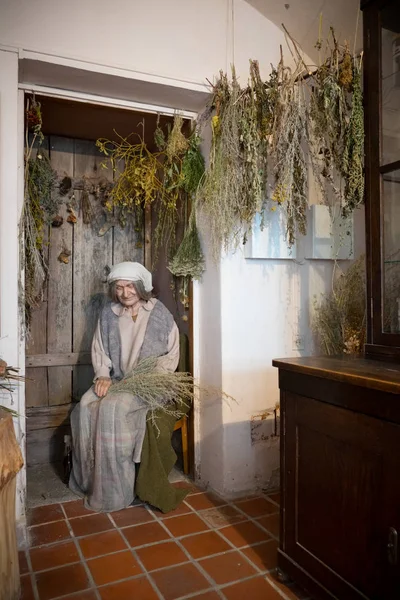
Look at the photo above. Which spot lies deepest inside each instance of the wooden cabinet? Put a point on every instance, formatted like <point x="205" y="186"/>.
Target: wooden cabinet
<point x="340" y="418"/>
<point x="340" y="477"/>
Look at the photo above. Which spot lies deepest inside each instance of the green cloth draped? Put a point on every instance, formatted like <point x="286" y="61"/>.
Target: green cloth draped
<point x="158" y="456"/>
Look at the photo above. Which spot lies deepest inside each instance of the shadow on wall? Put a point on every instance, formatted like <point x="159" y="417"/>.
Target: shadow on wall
<point x="248" y="459"/>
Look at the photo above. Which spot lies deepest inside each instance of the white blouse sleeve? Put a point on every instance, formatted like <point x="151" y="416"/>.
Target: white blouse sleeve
<point x="100" y="361"/>
<point x="170" y="361"/>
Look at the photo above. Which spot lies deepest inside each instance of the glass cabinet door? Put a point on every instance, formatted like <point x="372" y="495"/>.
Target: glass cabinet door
<point x="390" y="165"/>
<point x="381" y="27"/>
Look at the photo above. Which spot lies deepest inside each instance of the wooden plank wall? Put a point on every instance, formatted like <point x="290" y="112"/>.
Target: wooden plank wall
<point x="92" y="254"/>
<point x="63" y="325"/>
<point x="59" y="310"/>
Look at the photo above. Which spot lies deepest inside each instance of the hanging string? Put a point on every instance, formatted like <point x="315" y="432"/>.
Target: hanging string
<point x="233" y="30"/>
<point x="230" y="35"/>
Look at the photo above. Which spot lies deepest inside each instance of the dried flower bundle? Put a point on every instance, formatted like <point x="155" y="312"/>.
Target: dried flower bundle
<point x="339" y="320"/>
<point x="233" y="188"/>
<point x="297" y="117"/>
<point x="189" y="259"/>
<point x="139" y="184"/>
<point x="40" y="205"/>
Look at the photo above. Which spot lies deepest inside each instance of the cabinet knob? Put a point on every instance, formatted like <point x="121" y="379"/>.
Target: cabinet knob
<point x="392" y="546"/>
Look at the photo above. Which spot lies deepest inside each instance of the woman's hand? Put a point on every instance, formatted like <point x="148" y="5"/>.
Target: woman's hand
<point x="101" y="386"/>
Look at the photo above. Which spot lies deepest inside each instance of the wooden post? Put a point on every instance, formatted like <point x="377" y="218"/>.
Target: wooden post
<point x="10" y="463"/>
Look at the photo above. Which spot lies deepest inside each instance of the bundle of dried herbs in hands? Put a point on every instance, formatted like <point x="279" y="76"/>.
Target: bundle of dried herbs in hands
<point x="173" y="393"/>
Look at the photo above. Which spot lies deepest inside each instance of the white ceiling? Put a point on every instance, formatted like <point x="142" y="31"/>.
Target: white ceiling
<point x="302" y="17"/>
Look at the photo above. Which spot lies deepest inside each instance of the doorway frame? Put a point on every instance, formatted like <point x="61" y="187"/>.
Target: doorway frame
<point x="108" y="101"/>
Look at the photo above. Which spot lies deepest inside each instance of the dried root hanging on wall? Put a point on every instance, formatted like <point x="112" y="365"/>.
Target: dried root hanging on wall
<point x="87" y="211"/>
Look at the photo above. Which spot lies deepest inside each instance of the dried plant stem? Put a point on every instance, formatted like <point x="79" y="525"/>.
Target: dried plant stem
<point x="173" y="393"/>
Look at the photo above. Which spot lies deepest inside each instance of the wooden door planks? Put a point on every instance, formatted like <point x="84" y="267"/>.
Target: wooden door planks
<point x="92" y="254"/>
<point x="128" y="243"/>
<point x="125" y="247"/>
<point x="60" y="282"/>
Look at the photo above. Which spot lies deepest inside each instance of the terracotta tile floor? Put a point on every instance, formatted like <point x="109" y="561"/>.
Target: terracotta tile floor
<point x="208" y="549"/>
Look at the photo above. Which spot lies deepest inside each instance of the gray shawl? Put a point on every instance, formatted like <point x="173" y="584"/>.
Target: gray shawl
<point x="155" y="341"/>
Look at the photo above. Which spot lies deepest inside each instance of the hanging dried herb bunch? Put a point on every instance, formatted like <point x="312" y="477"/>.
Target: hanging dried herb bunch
<point x="353" y="154"/>
<point x="139" y="184"/>
<point x="189" y="259"/>
<point x="336" y="127"/>
<point x="164" y="179"/>
<point x="234" y="185"/>
<point x="287" y="149"/>
<point x="41" y="185"/>
<point x="177" y="143"/>
<point x="183" y="168"/>
<point x="193" y="166"/>
<point x="40" y="205"/>
<point x="298" y="116"/>
<point x="172" y="198"/>
<point x="339" y="320"/>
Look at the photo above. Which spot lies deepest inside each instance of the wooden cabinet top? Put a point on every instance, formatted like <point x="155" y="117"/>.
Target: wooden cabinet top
<point x="362" y="372"/>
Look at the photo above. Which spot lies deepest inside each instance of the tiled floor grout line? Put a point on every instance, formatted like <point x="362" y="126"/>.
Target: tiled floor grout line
<point x="83" y="560"/>
<point x="259" y="572"/>
<point x="139" y="561"/>
<point x="238" y="549"/>
<point x="216" y="587"/>
<point x="163" y="522"/>
<point x="198" y="513"/>
<point x="32" y="574"/>
<point x="191" y="559"/>
<point x="88" y="559"/>
<point x="253" y="520"/>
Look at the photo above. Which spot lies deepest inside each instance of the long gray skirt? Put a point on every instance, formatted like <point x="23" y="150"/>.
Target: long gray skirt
<point x="107" y="439"/>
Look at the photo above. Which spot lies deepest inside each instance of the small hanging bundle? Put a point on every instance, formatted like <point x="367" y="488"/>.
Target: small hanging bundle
<point x="353" y="154"/>
<point x="177" y="142"/>
<point x="189" y="259"/>
<point x="193" y="166"/>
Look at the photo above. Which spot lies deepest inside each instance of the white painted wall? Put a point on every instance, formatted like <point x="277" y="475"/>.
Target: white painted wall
<point x="11" y="184"/>
<point x="246" y="312"/>
<point x="150" y="36"/>
<point x="265" y="306"/>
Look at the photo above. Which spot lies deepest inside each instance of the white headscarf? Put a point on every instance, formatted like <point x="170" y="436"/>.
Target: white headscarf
<point x="131" y="271"/>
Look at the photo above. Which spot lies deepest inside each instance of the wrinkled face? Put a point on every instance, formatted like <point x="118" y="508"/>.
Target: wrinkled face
<point x="126" y="292"/>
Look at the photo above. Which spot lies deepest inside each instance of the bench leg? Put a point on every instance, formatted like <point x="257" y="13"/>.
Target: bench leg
<point x="185" y="448"/>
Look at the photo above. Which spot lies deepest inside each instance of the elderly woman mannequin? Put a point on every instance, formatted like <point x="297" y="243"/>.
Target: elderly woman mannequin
<point x="108" y="429"/>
